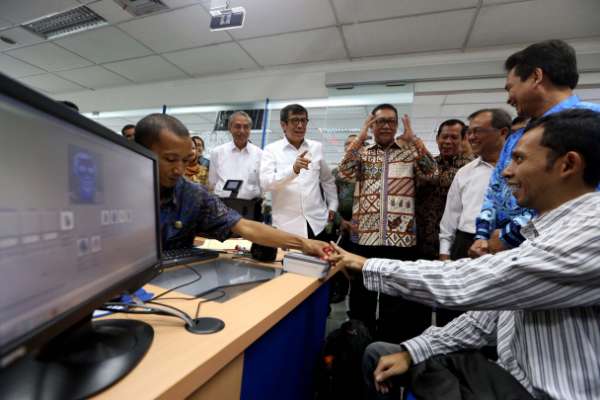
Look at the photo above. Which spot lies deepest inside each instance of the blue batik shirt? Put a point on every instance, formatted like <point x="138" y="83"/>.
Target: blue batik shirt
<point x="500" y="209"/>
<point x="192" y="211"/>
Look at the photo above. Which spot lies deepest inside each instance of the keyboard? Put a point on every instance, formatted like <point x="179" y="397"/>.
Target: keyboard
<point x="172" y="258"/>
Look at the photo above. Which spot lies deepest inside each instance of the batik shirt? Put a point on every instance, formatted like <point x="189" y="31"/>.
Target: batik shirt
<point x="500" y="209"/>
<point x="430" y="202"/>
<point x="191" y="211"/>
<point x="384" y="203"/>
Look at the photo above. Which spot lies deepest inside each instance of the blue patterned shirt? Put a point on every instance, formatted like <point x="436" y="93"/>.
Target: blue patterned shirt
<point x="500" y="209"/>
<point x="192" y="211"/>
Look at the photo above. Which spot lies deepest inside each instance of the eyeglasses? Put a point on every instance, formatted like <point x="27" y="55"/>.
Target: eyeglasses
<point x="478" y="130"/>
<point x="381" y="122"/>
<point x="297" y="121"/>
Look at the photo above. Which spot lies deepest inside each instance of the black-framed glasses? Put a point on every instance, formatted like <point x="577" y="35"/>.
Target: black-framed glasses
<point x="381" y="122"/>
<point x="297" y="121"/>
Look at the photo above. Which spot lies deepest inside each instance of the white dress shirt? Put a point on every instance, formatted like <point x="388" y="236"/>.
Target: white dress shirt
<point x="229" y="162"/>
<point x="297" y="197"/>
<point x="463" y="202"/>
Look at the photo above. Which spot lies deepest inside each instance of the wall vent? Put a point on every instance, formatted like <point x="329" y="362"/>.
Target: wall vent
<point x="65" y="23"/>
<point x="138" y="8"/>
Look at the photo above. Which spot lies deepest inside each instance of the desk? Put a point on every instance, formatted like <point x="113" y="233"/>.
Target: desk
<point x="271" y="339"/>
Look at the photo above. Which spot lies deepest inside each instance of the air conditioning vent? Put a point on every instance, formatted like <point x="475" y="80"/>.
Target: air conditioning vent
<point x="138" y="8"/>
<point x="65" y="23"/>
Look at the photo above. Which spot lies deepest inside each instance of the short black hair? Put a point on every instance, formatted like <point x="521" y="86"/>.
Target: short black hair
<point x="148" y="129"/>
<point x="452" y="122"/>
<point x="573" y="130"/>
<point x="385" y="106"/>
<point x="291" y="109"/>
<point x="198" y="139"/>
<point x="556" y="58"/>
<point x="519" y="119"/>
<point x="500" y="118"/>
<point x="128" y="126"/>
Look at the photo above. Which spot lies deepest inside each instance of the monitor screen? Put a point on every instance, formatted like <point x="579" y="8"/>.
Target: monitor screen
<point x="77" y="215"/>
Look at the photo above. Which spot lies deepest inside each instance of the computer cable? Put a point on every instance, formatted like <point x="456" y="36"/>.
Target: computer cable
<point x="179" y="286"/>
<point x="221" y="295"/>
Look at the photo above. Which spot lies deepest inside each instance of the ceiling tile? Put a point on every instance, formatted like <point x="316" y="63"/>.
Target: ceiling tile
<point x="94" y="77"/>
<point x="491" y="2"/>
<point x="115" y="45"/>
<point x="110" y="11"/>
<point x="180" y="3"/>
<point x="219" y="58"/>
<point x="146" y="69"/>
<point x="533" y="21"/>
<point x="19" y="11"/>
<point x="413" y="34"/>
<point x="50" y="57"/>
<point x="351" y="11"/>
<point x="315" y="45"/>
<point x="5" y="23"/>
<point x="51" y="83"/>
<point x="179" y="29"/>
<point x="17" y="68"/>
<point x="267" y="17"/>
<point x="19" y="35"/>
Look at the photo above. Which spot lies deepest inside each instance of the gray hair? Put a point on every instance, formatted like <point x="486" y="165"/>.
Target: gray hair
<point x="238" y="114"/>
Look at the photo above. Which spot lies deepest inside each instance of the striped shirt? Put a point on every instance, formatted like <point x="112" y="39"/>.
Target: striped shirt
<point x="545" y="297"/>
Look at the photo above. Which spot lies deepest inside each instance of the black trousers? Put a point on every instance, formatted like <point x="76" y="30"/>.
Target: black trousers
<point x="461" y="245"/>
<point x="455" y="376"/>
<point x="460" y="249"/>
<point x="399" y="319"/>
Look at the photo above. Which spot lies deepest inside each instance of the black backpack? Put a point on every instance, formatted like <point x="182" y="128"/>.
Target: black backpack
<point x="339" y="373"/>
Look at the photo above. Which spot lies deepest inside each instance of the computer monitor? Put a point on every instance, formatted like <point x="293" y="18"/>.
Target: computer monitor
<point x="78" y="226"/>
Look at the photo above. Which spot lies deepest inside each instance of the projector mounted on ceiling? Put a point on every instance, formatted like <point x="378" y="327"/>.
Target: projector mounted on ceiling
<point x="224" y="17"/>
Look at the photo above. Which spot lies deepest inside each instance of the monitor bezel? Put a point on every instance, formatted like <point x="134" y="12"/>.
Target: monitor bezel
<point x="34" y="339"/>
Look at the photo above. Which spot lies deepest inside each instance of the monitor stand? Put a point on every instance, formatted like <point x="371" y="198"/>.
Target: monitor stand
<point x="80" y="362"/>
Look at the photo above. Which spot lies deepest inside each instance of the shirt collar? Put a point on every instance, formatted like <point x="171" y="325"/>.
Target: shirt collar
<point x="479" y="161"/>
<point x="286" y="142"/>
<point x="234" y="148"/>
<point x="569" y="102"/>
<point x="376" y="145"/>
<point x="546" y="220"/>
<point x="172" y="199"/>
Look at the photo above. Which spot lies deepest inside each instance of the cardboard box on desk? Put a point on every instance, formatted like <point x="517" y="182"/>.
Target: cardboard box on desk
<point x="305" y="265"/>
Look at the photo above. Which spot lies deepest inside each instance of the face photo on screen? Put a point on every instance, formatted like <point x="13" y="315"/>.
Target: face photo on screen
<point x="85" y="175"/>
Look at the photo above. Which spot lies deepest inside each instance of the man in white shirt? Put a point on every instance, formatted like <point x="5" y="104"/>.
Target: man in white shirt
<point x="238" y="159"/>
<point x="294" y="171"/>
<point x="487" y="131"/>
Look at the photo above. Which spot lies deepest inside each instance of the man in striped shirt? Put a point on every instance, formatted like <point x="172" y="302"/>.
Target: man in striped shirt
<point x="538" y="303"/>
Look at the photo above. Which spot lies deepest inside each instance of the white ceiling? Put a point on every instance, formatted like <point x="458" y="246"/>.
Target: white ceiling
<point x="177" y="44"/>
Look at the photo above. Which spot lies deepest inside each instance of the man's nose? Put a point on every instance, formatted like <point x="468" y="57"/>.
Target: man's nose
<point x="508" y="171"/>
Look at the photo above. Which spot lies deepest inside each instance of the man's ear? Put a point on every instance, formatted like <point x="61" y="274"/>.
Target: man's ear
<point x="572" y="164"/>
<point x="538" y="75"/>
